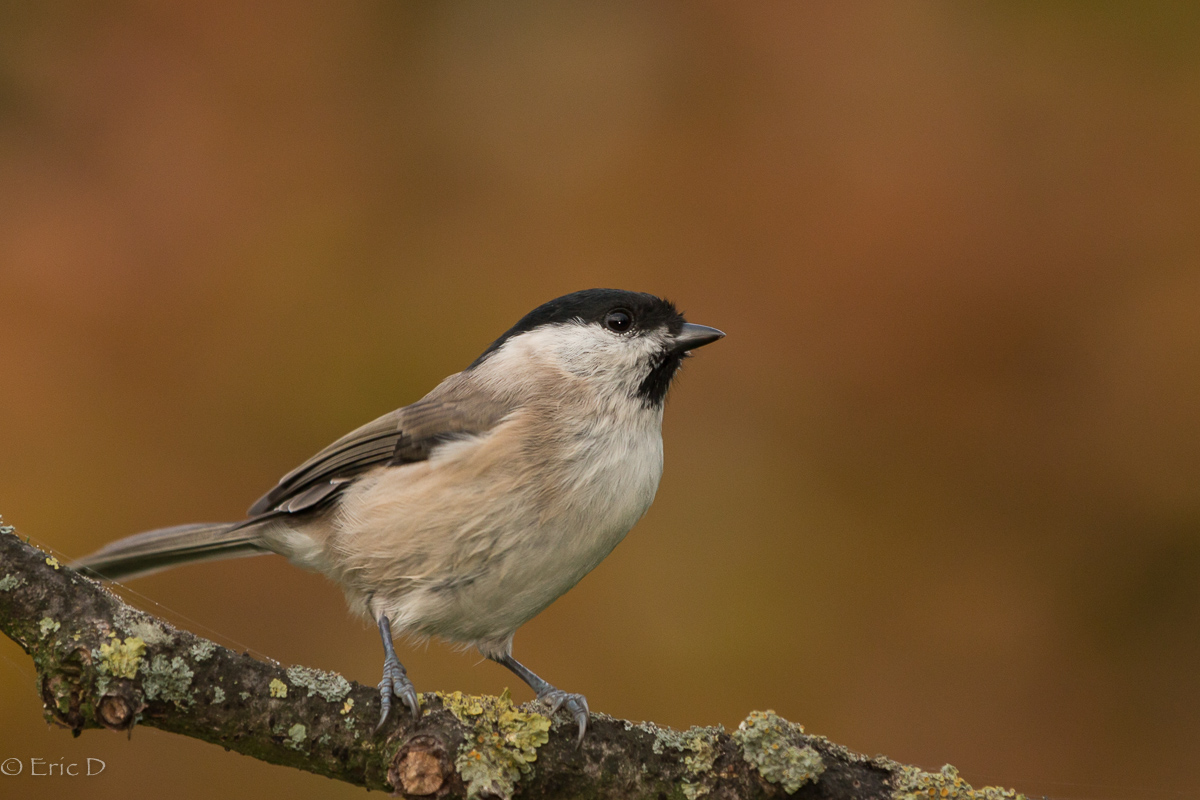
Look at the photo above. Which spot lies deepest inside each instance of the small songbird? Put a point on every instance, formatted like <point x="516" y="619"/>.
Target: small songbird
<point x="465" y="514"/>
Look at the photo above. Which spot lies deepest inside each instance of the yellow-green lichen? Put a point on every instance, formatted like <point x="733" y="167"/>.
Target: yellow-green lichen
<point x="464" y="706"/>
<point x="10" y="582"/>
<point x="52" y="561"/>
<point x="277" y="688"/>
<point x="346" y="706"/>
<point x="329" y="685"/>
<point x="914" y="784"/>
<point x="122" y="659"/>
<point x="296" y="735"/>
<point x="501" y="746"/>
<point x="700" y="751"/>
<point x="168" y="680"/>
<point x="203" y="650"/>
<point x="768" y="744"/>
<point x="48" y="626"/>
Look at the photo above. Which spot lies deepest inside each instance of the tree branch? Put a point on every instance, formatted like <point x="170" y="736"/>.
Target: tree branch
<point x="104" y="664"/>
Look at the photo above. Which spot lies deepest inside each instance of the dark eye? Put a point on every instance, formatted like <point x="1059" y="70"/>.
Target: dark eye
<point x="619" y="320"/>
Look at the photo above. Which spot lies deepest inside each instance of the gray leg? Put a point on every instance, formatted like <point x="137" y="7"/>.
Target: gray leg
<point x="557" y="698"/>
<point x="395" y="679"/>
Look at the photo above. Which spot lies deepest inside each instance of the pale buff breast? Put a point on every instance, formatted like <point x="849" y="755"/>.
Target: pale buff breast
<point x="467" y="547"/>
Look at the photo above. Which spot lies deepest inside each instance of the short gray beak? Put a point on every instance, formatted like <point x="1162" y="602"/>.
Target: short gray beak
<point x="693" y="336"/>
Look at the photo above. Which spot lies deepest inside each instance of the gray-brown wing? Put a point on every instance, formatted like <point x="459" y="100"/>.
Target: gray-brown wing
<point x="404" y="436"/>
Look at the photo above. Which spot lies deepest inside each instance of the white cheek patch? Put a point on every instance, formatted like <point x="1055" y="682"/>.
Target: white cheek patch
<point x="585" y="350"/>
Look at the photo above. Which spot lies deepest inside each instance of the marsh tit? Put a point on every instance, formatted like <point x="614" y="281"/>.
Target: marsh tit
<point x="466" y="513"/>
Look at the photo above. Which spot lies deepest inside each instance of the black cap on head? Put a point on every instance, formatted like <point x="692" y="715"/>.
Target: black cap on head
<point x="593" y="305"/>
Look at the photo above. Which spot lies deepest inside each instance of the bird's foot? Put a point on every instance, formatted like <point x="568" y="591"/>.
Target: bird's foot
<point x="395" y="682"/>
<point x="576" y="704"/>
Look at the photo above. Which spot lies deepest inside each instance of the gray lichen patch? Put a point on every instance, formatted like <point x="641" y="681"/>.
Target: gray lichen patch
<point x="203" y="650"/>
<point x="218" y="695"/>
<point x="840" y="752"/>
<point x="501" y="746"/>
<point x="145" y="628"/>
<point x="168" y="680"/>
<point x="914" y="784"/>
<point x="767" y="742"/>
<point x="328" y="685"/>
<point x="296" y="736"/>
<point x="10" y="582"/>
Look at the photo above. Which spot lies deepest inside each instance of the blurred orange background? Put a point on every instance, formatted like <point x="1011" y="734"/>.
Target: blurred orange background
<point x="937" y="495"/>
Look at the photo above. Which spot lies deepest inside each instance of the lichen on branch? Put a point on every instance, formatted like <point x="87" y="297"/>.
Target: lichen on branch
<point x="103" y="664"/>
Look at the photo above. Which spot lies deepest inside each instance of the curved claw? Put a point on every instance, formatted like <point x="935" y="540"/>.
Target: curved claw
<point x="385" y="698"/>
<point x="395" y="682"/>
<point x="576" y="704"/>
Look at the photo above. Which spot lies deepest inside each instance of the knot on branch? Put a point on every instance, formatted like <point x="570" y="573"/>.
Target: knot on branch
<point x="421" y="768"/>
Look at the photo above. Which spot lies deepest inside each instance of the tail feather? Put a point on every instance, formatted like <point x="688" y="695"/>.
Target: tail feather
<point x="144" y="553"/>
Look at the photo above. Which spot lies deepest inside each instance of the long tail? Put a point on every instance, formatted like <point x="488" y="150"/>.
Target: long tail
<point x="156" y="550"/>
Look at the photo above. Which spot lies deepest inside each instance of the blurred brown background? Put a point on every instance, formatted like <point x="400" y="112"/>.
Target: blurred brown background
<point x="937" y="495"/>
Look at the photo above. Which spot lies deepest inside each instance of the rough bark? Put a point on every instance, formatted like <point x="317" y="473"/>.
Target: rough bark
<point x="103" y="664"/>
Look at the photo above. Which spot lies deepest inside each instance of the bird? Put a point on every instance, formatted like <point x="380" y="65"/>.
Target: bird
<point x="465" y="514"/>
